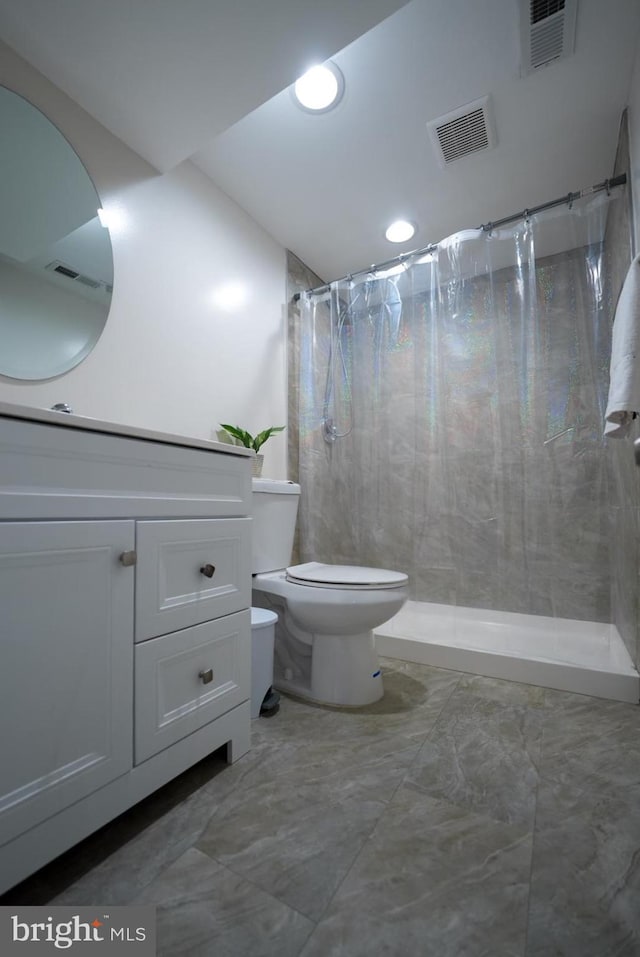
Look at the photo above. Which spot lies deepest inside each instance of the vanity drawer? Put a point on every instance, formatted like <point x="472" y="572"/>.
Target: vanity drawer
<point x="190" y="572"/>
<point x="185" y="680"/>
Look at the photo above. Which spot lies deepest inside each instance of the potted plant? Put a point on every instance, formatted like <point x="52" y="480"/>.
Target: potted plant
<point x="255" y="442"/>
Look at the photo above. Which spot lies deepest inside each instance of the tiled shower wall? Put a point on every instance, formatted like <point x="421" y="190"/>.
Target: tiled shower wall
<point x="485" y="481"/>
<point x="624" y="476"/>
<point x="299" y="279"/>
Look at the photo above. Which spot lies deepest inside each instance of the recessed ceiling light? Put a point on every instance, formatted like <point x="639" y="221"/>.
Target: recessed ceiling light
<point x="113" y="217"/>
<point x="320" y="88"/>
<point x="401" y="231"/>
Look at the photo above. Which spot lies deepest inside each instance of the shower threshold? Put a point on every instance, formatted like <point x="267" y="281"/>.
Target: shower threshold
<point x="585" y="657"/>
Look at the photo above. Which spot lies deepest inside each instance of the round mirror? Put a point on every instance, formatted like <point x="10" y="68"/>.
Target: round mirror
<point x="56" y="267"/>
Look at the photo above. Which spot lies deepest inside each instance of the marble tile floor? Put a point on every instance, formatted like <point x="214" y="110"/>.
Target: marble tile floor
<point x="459" y="817"/>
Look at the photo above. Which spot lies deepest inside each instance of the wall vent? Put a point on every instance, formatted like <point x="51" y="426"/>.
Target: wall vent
<point x="63" y="270"/>
<point x="466" y="130"/>
<point x="547" y="30"/>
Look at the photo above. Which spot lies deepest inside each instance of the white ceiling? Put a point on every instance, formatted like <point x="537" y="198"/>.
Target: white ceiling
<point x="207" y="80"/>
<point x="167" y="75"/>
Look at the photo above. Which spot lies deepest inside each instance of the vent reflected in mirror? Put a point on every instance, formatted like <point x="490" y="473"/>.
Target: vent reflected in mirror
<point x="56" y="265"/>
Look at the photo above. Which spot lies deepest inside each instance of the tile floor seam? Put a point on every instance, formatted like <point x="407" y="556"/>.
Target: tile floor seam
<point x="365" y="841"/>
<point x="365" y="838"/>
<point x="478" y="813"/>
<point x="463" y="805"/>
<point x="320" y="800"/>
<point x="424" y="740"/>
<point x="517" y="839"/>
<point x="581" y="758"/>
<point x="380" y="820"/>
<point x="427" y="736"/>
<point x="166" y="904"/>
<point x="243" y="877"/>
<point x="310" y="935"/>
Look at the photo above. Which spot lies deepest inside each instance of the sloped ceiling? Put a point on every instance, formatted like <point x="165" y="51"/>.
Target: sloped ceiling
<point x="166" y="76"/>
<point x="328" y="185"/>
<point x="209" y="81"/>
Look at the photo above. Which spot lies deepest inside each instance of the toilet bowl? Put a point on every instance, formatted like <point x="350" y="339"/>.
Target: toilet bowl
<point x="324" y="644"/>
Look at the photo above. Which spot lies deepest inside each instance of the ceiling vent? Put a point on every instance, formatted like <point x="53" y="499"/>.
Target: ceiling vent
<point x="76" y="276"/>
<point x="466" y="130"/>
<point x="547" y="29"/>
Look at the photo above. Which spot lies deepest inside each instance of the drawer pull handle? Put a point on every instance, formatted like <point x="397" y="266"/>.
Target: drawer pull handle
<point x="208" y="570"/>
<point x="207" y="676"/>
<point x="128" y="559"/>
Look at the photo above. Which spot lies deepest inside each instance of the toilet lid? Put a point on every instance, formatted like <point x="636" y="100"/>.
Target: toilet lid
<point x="345" y="576"/>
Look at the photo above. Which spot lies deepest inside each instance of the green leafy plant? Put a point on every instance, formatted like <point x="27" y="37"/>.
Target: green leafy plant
<point x="251" y="441"/>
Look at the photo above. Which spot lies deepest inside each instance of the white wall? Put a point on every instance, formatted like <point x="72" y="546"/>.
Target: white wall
<point x="634" y="143"/>
<point x="171" y="357"/>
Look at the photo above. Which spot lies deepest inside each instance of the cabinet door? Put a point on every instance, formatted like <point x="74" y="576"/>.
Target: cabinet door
<point x="185" y="680"/>
<point x="190" y="572"/>
<point x="66" y="647"/>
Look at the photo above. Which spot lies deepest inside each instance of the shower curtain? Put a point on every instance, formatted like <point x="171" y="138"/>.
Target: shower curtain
<point x="451" y="418"/>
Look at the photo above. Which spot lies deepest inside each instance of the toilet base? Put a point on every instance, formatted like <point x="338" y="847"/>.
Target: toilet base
<point x="344" y="672"/>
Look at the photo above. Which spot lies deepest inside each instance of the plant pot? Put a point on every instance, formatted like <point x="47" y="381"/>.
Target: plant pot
<point x="256" y="465"/>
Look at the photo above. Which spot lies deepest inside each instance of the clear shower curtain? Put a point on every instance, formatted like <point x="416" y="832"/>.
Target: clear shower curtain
<point x="450" y="418"/>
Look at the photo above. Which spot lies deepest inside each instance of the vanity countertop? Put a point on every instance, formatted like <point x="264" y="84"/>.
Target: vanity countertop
<point x="72" y="421"/>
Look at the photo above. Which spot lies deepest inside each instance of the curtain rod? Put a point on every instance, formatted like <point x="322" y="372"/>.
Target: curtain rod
<point x="570" y="198"/>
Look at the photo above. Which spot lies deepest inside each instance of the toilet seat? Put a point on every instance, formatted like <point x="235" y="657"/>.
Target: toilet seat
<point x="347" y="577"/>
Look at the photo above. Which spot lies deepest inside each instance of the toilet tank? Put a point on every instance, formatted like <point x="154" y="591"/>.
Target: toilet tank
<point x="274" y="511"/>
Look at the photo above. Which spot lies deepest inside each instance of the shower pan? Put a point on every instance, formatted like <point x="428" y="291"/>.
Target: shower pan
<point x="585" y="657"/>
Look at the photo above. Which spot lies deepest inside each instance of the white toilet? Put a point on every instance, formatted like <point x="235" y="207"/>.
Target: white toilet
<point x="324" y="645"/>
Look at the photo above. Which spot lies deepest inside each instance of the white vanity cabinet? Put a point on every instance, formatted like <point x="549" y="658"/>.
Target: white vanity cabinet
<point x="125" y="635"/>
<point x="66" y="665"/>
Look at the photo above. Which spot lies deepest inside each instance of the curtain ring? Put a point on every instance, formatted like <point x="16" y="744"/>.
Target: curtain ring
<point x="570" y="200"/>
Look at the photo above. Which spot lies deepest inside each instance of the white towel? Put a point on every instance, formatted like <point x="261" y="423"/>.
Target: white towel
<point x="624" y="381"/>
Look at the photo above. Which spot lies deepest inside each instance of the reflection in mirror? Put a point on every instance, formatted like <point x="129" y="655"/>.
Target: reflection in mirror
<point x="56" y="267"/>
